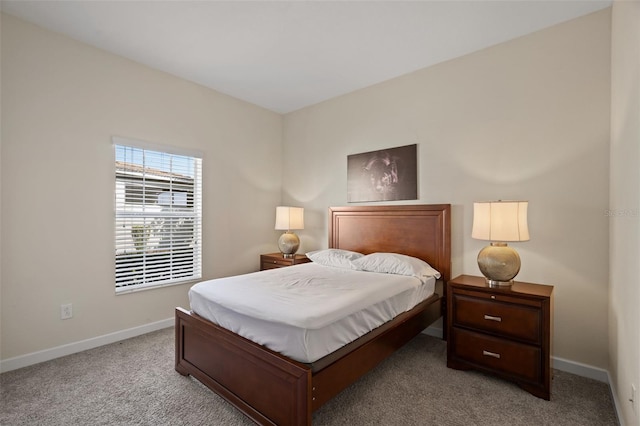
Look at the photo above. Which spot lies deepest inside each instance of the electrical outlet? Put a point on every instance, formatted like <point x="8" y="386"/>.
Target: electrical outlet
<point x="66" y="311"/>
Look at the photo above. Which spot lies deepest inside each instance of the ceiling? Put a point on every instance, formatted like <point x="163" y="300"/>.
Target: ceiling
<point x="285" y="55"/>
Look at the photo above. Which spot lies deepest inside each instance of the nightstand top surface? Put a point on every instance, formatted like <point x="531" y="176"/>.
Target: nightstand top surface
<point x="281" y="256"/>
<point x="517" y="287"/>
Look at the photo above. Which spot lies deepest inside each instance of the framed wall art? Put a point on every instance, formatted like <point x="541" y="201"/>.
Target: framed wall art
<point x="383" y="175"/>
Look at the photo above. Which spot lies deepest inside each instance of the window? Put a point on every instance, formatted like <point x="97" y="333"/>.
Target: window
<point x="158" y="217"/>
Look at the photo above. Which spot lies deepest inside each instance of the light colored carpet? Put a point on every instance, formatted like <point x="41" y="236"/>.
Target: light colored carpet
<point x="134" y="383"/>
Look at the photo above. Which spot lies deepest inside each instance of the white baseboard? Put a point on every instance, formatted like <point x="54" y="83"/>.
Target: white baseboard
<point x="616" y="401"/>
<point x="580" y="369"/>
<point x="83" y="345"/>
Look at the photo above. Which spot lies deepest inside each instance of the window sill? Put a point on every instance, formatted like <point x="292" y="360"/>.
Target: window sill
<point x="144" y="287"/>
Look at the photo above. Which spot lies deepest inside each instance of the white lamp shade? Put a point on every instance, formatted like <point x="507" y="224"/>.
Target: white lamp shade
<point x="500" y="221"/>
<point x="288" y="218"/>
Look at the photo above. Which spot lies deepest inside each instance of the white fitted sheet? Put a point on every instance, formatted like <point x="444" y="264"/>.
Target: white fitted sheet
<point x="307" y="311"/>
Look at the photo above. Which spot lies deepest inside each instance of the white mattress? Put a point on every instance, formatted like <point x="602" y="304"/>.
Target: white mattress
<point x="307" y="311"/>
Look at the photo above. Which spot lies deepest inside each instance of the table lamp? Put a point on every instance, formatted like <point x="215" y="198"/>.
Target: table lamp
<point x="287" y="219"/>
<point x="500" y="222"/>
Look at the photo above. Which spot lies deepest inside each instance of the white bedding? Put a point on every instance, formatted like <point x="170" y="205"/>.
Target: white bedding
<point x="307" y="311"/>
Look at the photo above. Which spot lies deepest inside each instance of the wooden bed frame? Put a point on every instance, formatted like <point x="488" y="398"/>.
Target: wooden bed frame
<point x="272" y="389"/>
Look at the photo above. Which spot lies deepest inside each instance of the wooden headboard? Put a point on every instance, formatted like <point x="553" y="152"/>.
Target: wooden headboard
<point x="422" y="231"/>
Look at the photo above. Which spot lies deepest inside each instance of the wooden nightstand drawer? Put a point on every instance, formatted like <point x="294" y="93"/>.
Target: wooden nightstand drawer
<point x="505" y="319"/>
<point x="276" y="263"/>
<point x="500" y="355"/>
<point x="268" y="265"/>
<point x="276" y="260"/>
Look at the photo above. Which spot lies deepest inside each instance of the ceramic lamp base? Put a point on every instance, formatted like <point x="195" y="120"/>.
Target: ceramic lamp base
<point x="288" y="244"/>
<point x="499" y="263"/>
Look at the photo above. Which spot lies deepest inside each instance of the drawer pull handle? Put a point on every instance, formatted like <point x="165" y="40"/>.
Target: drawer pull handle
<point x="492" y="318"/>
<point x="491" y="354"/>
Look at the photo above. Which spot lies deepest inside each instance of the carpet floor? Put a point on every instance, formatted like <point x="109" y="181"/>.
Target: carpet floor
<point x="133" y="382"/>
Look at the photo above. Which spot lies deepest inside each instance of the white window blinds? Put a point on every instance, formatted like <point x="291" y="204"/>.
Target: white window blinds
<point x="158" y="217"/>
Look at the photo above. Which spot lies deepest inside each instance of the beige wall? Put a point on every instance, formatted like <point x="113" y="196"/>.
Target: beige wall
<point x="624" y="315"/>
<point x="527" y="119"/>
<point x="62" y="101"/>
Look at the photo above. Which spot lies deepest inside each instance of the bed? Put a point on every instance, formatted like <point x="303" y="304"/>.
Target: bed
<point x="273" y="389"/>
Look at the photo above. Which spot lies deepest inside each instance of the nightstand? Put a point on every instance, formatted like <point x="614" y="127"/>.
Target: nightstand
<point x="501" y="330"/>
<point x="277" y="260"/>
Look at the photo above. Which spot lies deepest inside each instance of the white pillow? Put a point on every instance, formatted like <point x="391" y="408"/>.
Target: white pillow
<point x="335" y="257"/>
<point x="394" y="263"/>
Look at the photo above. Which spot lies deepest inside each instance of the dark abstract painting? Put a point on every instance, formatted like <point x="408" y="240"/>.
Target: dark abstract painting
<point x="384" y="175"/>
